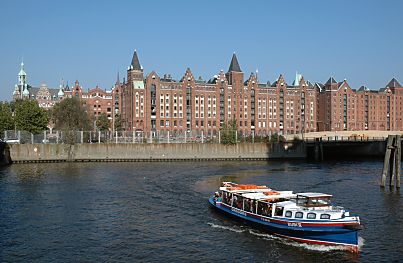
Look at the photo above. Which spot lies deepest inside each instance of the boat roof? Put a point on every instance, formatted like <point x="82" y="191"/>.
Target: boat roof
<point x="262" y="196"/>
<point x="314" y="195"/>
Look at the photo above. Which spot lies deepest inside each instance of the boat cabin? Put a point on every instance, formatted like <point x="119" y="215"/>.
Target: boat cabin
<point x="313" y="199"/>
<point x="259" y="200"/>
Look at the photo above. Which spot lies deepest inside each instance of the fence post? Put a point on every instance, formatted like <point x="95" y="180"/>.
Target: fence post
<point x="168" y="137"/>
<point x="219" y="136"/>
<point x="19" y="135"/>
<point x="253" y="136"/>
<point x="236" y="136"/>
<point x="57" y="136"/>
<point x="116" y="136"/>
<point x="82" y="136"/>
<point x="32" y="138"/>
<point x="185" y="135"/>
<point x="44" y="136"/>
<point x="99" y="136"/>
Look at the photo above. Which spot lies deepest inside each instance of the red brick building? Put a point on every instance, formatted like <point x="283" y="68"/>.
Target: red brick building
<point x="158" y="104"/>
<point x="342" y="108"/>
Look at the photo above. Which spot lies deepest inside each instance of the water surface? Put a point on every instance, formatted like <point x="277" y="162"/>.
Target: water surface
<point x="158" y="212"/>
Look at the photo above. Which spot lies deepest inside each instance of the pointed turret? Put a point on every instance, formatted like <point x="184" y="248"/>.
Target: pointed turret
<point x="67" y="88"/>
<point x="234" y="66"/>
<point x="135" y="62"/>
<point x="330" y="81"/>
<point x="393" y="84"/>
<point x="22" y="75"/>
<point x="297" y="79"/>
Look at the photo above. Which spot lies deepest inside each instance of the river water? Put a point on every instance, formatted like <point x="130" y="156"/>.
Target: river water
<point x="159" y="212"/>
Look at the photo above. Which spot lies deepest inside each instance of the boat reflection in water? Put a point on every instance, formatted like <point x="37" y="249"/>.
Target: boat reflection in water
<point x="303" y="217"/>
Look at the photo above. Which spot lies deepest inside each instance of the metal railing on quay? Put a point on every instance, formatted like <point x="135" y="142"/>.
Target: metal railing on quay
<point x="227" y="137"/>
<point x="54" y="137"/>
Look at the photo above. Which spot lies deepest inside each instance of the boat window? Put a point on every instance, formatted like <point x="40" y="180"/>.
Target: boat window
<point x="264" y="209"/>
<point x="311" y="216"/>
<point x="299" y="214"/>
<point x="279" y="211"/>
<point x="247" y="204"/>
<point x="226" y="197"/>
<point x="238" y="201"/>
<point x="324" y="216"/>
<point x="288" y="214"/>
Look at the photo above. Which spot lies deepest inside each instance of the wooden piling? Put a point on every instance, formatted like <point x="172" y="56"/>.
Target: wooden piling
<point x="398" y="158"/>
<point x="391" y="164"/>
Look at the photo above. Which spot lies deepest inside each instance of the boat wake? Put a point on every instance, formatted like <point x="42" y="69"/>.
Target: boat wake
<point x="283" y="240"/>
<point x="233" y="229"/>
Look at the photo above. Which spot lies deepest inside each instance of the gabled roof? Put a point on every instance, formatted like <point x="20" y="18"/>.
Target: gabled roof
<point x="393" y="84"/>
<point x="363" y="88"/>
<point x="135" y="62"/>
<point x="309" y="84"/>
<point x="234" y="66"/>
<point x="330" y="81"/>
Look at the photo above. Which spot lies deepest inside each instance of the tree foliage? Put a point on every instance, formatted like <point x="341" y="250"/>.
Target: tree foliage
<point x="118" y="123"/>
<point x="30" y="117"/>
<point x="103" y="122"/>
<point x="228" y="132"/>
<point x="6" y="117"/>
<point x="70" y="115"/>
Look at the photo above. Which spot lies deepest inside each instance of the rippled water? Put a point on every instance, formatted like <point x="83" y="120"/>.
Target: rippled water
<point x="158" y="212"/>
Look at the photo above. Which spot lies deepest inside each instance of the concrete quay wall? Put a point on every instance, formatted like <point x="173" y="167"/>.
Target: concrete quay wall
<point x="21" y="153"/>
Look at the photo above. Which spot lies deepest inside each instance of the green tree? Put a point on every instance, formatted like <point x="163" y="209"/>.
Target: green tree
<point x="103" y="122"/>
<point x="30" y="117"/>
<point x="70" y="115"/>
<point x="6" y="118"/>
<point x="118" y="122"/>
<point x="228" y="133"/>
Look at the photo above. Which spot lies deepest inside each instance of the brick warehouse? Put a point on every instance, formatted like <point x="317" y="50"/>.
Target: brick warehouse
<point x="152" y="103"/>
<point x="157" y="104"/>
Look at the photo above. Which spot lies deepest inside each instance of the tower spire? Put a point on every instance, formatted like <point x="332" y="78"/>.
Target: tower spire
<point x="135" y="62"/>
<point x="234" y="66"/>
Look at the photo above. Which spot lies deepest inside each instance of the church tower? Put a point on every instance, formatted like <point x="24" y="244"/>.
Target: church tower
<point x="21" y="89"/>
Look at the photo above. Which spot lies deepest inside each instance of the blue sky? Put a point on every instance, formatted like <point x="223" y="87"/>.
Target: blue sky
<point x="91" y="41"/>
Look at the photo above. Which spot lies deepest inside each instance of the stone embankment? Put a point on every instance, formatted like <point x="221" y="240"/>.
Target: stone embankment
<point x="98" y="152"/>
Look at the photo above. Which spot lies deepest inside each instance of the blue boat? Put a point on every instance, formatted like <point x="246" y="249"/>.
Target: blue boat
<point x="303" y="217"/>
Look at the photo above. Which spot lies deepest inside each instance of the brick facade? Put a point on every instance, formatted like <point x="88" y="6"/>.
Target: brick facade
<point x="154" y="103"/>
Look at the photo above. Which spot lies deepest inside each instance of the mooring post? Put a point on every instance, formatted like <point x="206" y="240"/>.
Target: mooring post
<point x="386" y="161"/>
<point x="392" y="163"/>
<point x="398" y="158"/>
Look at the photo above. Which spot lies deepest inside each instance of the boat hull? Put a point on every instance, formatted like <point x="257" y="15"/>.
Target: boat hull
<point x="312" y="232"/>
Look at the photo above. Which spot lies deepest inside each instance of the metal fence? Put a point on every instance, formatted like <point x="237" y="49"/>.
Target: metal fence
<point x="135" y="137"/>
